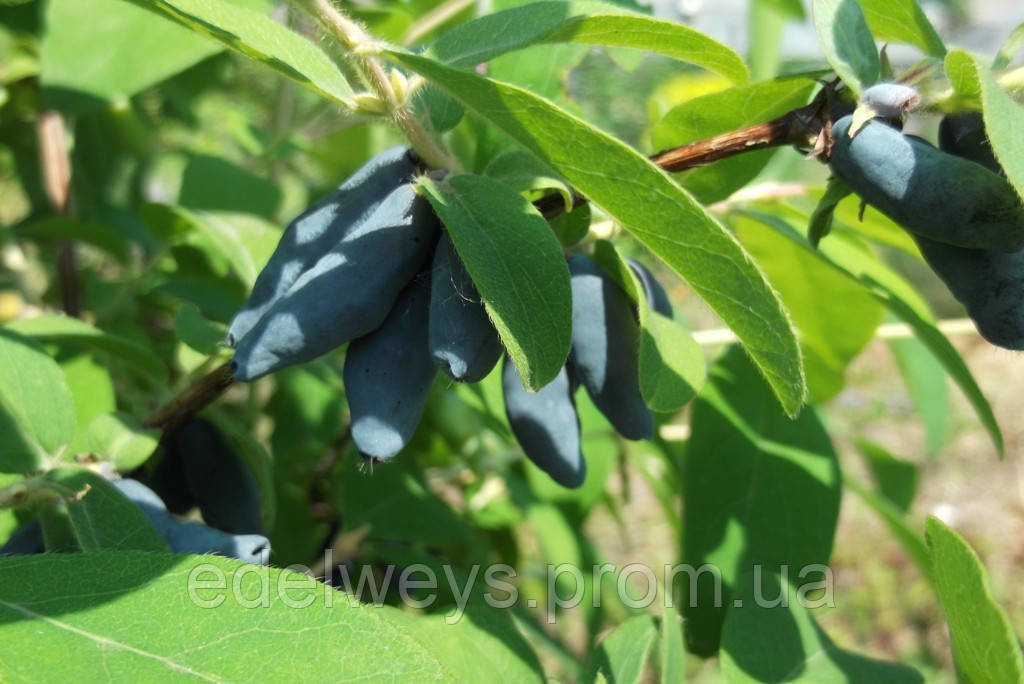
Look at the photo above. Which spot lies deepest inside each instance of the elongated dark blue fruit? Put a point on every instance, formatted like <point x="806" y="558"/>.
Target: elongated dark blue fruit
<point x="463" y="342"/>
<point x="347" y="293"/>
<point x="604" y="355"/>
<point x="657" y="298"/>
<point x="964" y="135"/>
<point x="388" y="374"/>
<point x="546" y="425"/>
<point x="218" y="479"/>
<point x="989" y="284"/>
<point x="192" y="537"/>
<point x="314" y="232"/>
<point x="930" y="193"/>
<point x="27" y="540"/>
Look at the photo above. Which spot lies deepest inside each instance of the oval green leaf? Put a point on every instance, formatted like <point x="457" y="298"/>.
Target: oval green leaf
<point x="589" y="23"/>
<point x="517" y="265"/>
<point x="303" y="625"/>
<point x="903" y="21"/>
<point x="101" y="517"/>
<point x="77" y="76"/>
<point x="118" y="438"/>
<point x="859" y="262"/>
<point x="66" y="330"/>
<point x="37" y="414"/>
<point x="621" y="655"/>
<point x="759" y="489"/>
<point x="770" y="636"/>
<point x="985" y="647"/>
<point x="259" y="37"/>
<point x="847" y="42"/>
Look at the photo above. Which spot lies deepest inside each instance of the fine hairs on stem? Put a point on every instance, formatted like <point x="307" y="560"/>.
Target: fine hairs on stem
<point x="356" y="42"/>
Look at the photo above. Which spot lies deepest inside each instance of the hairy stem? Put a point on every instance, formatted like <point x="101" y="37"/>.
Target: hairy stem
<point x="194" y="399"/>
<point x="357" y="41"/>
<point x="56" y="167"/>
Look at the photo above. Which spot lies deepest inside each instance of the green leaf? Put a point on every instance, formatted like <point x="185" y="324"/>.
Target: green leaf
<point x="985" y="647"/>
<point x="392" y="501"/>
<point x="215" y="184"/>
<point x="896" y="521"/>
<point x="940" y="346"/>
<point x="81" y="69"/>
<point x="771" y="637"/>
<point x="873" y="225"/>
<point x="522" y="171"/>
<point x="654" y="35"/>
<point x="118" y="437"/>
<point x="671" y="649"/>
<point x="587" y="23"/>
<point x="203" y="335"/>
<point x="58" y="535"/>
<point x="831" y="336"/>
<point x="726" y="110"/>
<point x="8" y="520"/>
<point x="791" y="9"/>
<point x="207" y="231"/>
<point x="648" y="204"/>
<point x="925" y="379"/>
<point x="302" y="625"/>
<point x="926" y="382"/>
<point x="37" y="414"/>
<point x="820" y="223"/>
<point x="858" y="262"/>
<point x="902" y="21"/>
<point x="517" y="265"/>
<point x="260" y="38"/>
<point x="101" y="517"/>
<point x="482" y="643"/>
<point x="759" y="489"/>
<point x="95" y="233"/>
<point x="1004" y="118"/>
<point x="1009" y="49"/>
<point x="962" y="76"/>
<point x="66" y="330"/>
<point x="671" y="363"/>
<point x="621" y="655"/>
<point x="92" y="390"/>
<point x="571" y="228"/>
<point x="847" y="42"/>
<point x="766" y="20"/>
<point x="559" y="546"/>
<point x="895" y="478"/>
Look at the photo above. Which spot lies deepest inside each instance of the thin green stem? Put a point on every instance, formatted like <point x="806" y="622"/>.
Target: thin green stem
<point x="358" y="44"/>
<point x="948" y="100"/>
<point x="434" y="18"/>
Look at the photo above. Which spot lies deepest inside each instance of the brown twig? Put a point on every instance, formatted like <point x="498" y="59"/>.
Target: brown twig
<point x="800" y="127"/>
<point x="194" y="399"/>
<point x="55" y="163"/>
<point x="702" y="152"/>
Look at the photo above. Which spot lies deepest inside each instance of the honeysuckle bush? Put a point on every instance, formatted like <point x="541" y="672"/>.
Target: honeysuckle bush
<point x="161" y="518"/>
